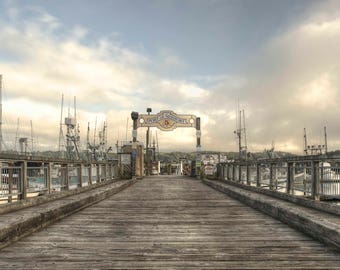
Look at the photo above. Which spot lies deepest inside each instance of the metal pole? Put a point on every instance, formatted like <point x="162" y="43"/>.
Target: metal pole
<point x="315" y="180"/>
<point x="66" y="166"/>
<point x="90" y="174"/>
<point x="289" y="177"/>
<point x="240" y="173"/>
<point x="271" y="178"/>
<point x="148" y="110"/>
<point x="80" y="175"/>
<point x="198" y="146"/>
<point x="49" y="177"/>
<point x="248" y="174"/>
<point x="98" y="169"/>
<point x="258" y="175"/>
<point x="24" y="180"/>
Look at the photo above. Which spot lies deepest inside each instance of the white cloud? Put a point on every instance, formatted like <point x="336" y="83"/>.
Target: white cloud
<point x="292" y="82"/>
<point x="325" y="28"/>
<point x="170" y="59"/>
<point x="193" y="91"/>
<point x="109" y="80"/>
<point x="319" y="93"/>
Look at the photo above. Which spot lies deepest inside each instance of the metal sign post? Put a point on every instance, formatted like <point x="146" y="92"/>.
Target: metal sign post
<point x="198" y="147"/>
<point x="134" y="116"/>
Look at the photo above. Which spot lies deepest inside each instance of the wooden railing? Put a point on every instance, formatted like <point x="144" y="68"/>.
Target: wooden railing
<point x="20" y="179"/>
<point x="315" y="177"/>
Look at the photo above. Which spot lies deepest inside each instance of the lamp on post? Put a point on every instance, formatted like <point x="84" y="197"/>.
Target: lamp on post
<point x="148" y="110"/>
<point x="134" y="117"/>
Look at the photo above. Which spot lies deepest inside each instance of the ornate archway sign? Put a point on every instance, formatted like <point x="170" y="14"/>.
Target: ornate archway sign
<point x="167" y="121"/>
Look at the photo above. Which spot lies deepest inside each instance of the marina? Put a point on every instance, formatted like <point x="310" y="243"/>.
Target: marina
<point x="170" y="135"/>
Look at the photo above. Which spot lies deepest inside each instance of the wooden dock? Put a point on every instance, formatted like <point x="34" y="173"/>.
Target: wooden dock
<point x="167" y="222"/>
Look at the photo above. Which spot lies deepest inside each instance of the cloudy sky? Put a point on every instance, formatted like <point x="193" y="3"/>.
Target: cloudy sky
<point x="280" y="59"/>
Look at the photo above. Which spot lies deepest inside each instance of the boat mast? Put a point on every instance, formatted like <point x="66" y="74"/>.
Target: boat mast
<point x="1" y="113"/>
<point x="32" y="137"/>
<point x="16" y="136"/>
<point x="325" y="131"/>
<point x="61" y="134"/>
<point x="305" y="141"/>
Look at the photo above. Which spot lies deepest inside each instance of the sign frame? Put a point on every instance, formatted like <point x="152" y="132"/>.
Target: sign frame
<point x="166" y="120"/>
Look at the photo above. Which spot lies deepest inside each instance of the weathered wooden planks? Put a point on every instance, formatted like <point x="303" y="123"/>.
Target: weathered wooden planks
<point x="20" y="223"/>
<point x="319" y="224"/>
<point x="168" y="223"/>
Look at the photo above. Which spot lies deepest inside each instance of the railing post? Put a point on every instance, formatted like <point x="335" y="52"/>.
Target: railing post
<point x="239" y="173"/>
<point x="98" y="172"/>
<point x="321" y="177"/>
<point x="228" y="171"/>
<point x="24" y="180"/>
<point x="258" y="175"/>
<point x="304" y="179"/>
<point x="289" y="178"/>
<point x="80" y="174"/>
<point x="1" y="175"/>
<point x="315" y="180"/>
<point x="10" y="184"/>
<point x="66" y="176"/>
<point x="271" y="182"/>
<point x="110" y="171"/>
<point x="292" y="180"/>
<point x="275" y="176"/>
<point x="90" y="173"/>
<point x="234" y="169"/>
<point x="248" y="174"/>
<point x="49" y="177"/>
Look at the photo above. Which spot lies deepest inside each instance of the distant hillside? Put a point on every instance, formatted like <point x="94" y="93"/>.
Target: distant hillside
<point x="173" y="157"/>
<point x="334" y="154"/>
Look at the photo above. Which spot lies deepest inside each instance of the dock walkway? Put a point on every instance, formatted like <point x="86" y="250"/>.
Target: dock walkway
<point x="168" y="222"/>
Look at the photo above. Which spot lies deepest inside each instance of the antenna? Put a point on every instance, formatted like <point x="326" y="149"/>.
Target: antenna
<point x="245" y="135"/>
<point x="239" y="135"/>
<point x="94" y="133"/>
<point x="325" y="130"/>
<point x="126" y="131"/>
<point x="240" y="132"/>
<point x="76" y="128"/>
<point x="237" y="112"/>
<point x="305" y="141"/>
<point x="32" y="141"/>
<point x="75" y="108"/>
<point x="102" y="142"/>
<point x="61" y="134"/>
<point x="105" y="135"/>
<point x="1" y="140"/>
<point x="16" y="135"/>
<point x="88" y="135"/>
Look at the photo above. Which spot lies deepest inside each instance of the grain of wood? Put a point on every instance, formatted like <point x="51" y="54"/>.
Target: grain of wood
<point x="169" y="222"/>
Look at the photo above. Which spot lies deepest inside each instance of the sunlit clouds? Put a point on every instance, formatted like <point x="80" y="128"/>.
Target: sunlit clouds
<point x="291" y="80"/>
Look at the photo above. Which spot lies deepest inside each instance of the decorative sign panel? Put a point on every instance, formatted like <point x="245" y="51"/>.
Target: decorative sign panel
<point x="125" y="159"/>
<point x="166" y="120"/>
<point x="209" y="169"/>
